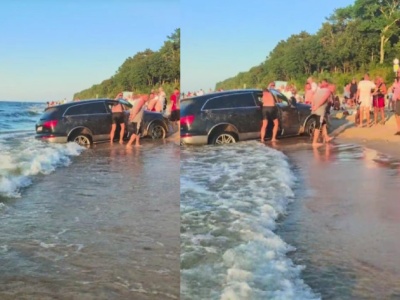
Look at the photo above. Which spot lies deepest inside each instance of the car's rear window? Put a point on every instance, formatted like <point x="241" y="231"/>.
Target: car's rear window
<point x="49" y="113"/>
<point x="190" y="106"/>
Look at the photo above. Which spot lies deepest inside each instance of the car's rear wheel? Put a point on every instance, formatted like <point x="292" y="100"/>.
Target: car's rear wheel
<point x="311" y="124"/>
<point x="82" y="139"/>
<point x="224" y="137"/>
<point x="157" y="131"/>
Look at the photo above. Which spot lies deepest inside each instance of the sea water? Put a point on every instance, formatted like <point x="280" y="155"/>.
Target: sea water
<point x="231" y="199"/>
<point x="22" y="158"/>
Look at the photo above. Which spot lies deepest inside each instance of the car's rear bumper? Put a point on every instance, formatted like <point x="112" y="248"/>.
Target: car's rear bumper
<point x="187" y="139"/>
<point x="52" y="138"/>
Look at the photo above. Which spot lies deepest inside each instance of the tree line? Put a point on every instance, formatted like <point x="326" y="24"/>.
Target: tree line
<point x="142" y="72"/>
<point x="362" y="37"/>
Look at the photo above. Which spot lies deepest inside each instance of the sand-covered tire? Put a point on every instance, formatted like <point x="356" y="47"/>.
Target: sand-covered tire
<point x="82" y="139"/>
<point x="157" y="131"/>
<point x="223" y="137"/>
<point x="311" y="124"/>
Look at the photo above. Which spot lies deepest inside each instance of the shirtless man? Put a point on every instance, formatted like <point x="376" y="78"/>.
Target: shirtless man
<point x="118" y="117"/>
<point x="269" y="113"/>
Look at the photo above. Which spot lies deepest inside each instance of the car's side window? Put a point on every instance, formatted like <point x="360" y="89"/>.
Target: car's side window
<point x="280" y="98"/>
<point x="244" y="100"/>
<point x="231" y="101"/>
<point x="86" y="109"/>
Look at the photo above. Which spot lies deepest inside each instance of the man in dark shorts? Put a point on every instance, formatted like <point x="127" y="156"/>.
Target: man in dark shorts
<point x="175" y="110"/>
<point x="269" y="113"/>
<point x="117" y="117"/>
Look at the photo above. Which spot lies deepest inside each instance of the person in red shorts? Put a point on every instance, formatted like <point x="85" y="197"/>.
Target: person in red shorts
<point x="378" y="100"/>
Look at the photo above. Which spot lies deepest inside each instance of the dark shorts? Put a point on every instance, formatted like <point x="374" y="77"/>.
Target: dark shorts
<point x="118" y="118"/>
<point x="175" y="115"/>
<point x="133" y="128"/>
<point x="378" y="102"/>
<point x="269" y="113"/>
<point x="397" y="108"/>
<point x="321" y="121"/>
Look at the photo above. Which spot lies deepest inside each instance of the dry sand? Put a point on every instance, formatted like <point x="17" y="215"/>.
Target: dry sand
<point x="377" y="137"/>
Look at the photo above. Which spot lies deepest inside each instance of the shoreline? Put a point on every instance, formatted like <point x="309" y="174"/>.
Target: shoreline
<point x="377" y="137"/>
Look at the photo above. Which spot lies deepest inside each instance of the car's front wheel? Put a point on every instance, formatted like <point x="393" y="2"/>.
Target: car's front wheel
<point x="157" y="131"/>
<point x="224" y="137"/>
<point x="82" y="139"/>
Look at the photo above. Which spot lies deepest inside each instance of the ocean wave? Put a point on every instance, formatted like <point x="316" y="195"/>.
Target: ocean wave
<point x="27" y="157"/>
<point x="231" y="198"/>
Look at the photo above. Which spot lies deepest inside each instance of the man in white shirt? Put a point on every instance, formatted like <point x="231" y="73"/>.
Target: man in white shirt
<point x="364" y="95"/>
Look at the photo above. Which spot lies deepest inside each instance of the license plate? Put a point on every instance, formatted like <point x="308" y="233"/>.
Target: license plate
<point x="40" y="128"/>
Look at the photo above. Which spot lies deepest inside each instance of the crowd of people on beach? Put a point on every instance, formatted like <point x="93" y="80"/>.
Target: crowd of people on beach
<point x="366" y="96"/>
<point x="155" y="101"/>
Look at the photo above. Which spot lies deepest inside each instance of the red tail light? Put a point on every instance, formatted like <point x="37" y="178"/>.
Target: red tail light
<point x="187" y="120"/>
<point x="50" y="124"/>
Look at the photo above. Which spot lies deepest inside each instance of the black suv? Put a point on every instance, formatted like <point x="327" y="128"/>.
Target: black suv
<point x="231" y="116"/>
<point x="89" y="121"/>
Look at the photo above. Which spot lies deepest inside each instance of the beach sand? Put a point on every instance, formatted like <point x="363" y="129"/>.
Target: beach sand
<point x="378" y="137"/>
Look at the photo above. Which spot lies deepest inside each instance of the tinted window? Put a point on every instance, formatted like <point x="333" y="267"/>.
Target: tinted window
<point x="86" y="109"/>
<point x="190" y="106"/>
<point x="49" y="113"/>
<point x="231" y="101"/>
<point x="280" y="98"/>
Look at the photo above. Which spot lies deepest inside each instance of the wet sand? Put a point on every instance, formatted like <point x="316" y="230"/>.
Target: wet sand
<point x="105" y="227"/>
<point x="346" y="218"/>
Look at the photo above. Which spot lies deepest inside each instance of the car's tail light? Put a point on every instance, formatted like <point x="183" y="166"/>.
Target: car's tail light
<point x="51" y="124"/>
<point x="187" y="120"/>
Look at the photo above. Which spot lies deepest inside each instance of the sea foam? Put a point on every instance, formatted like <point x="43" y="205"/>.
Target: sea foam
<point x="231" y="198"/>
<point x="28" y="157"/>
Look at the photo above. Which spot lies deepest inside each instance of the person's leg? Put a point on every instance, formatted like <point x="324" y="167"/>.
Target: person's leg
<point x="263" y="129"/>
<point x="361" y="115"/>
<point x="112" y="133"/>
<point x="375" y="115"/>
<point x="122" y="132"/>
<point x="382" y="115"/>
<point x="138" y="136"/>
<point x="131" y="140"/>
<point x="316" y="133"/>
<point x="368" y="112"/>
<point x="275" y="130"/>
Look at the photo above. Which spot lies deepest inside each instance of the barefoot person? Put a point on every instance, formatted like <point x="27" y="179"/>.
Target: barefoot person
<point x="135" y="120"/>
<point x="269" y="113"/>
<point x="117" y="118"/>
<point x="319" y="107"/>
<point x="364" y="94"/>
<point x="396" y="99"/>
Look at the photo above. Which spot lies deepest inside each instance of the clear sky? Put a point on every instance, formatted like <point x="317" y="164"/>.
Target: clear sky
<point x="220" y="38"/>
<point x="50" y="49"/>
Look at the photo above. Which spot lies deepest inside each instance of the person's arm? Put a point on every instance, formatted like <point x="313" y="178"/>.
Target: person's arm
<point x="383" y="89"/>
<point x="119" y="96"/>
<point x="323" y="100"/>
<point x="134" y="111"/>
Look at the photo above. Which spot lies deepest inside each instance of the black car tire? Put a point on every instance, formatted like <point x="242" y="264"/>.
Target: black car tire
<point x="223" y="137"/>
<point x="157" y="131"/>
<point x="82" y="139"/>
<point x="310" y="126"/>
